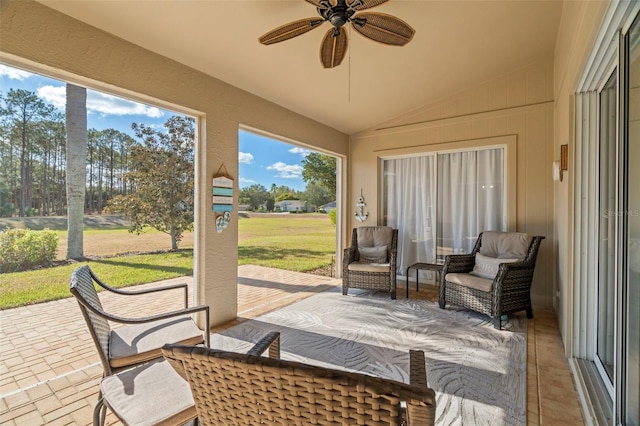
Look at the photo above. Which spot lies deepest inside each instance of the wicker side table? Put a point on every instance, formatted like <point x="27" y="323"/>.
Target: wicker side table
<point x="435" y="267"/>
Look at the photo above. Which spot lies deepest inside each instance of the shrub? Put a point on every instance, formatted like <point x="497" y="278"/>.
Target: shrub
<point x="332" y="216"/>
<point x="21" y="249"/>
<point x="30" y="212"/>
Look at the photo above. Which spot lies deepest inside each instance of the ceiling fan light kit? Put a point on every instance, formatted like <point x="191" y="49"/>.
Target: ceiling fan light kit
<point x="379" y="27"/>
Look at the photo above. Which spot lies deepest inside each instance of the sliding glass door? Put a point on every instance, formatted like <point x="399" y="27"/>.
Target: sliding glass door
<point x="409" y="205"/>
<point x="631" y="288"/>
<point x="606" y="247"/>
<point x="441" y="201"/>
<point x="470" y="199"/>
<point x="607" y="231"/>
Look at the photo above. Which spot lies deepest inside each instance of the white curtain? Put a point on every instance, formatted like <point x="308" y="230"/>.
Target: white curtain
<point x="410" y="189"/>
<point x="470" y="198"/>
<point x="469" y="188"/>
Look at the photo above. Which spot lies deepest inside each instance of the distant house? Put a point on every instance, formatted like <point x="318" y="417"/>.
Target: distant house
<point x="293" y="206"/>
<point x="327" y="207"/>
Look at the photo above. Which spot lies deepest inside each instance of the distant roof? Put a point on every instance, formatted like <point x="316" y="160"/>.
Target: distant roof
<point x="331" y="205"/>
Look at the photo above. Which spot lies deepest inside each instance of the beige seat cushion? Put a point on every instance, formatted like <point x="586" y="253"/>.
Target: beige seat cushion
<point x="470" y="281"/>
<point x="138" y="343"/>
<point x="505" y="245"/>
<point x="369" y="267"/>
<point x="151" y="393"/>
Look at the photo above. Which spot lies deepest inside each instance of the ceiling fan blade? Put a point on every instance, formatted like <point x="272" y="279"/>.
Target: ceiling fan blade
<point x="383" y="28"/>
<point x="333" y="48"/>
<point x="363" y="4"/>
<point x="290" y="30"/>
<point x="322" y="4"/>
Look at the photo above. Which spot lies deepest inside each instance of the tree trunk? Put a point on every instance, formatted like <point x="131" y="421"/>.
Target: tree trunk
<point x="76" y="121"/>
<point x="174" y="238"/>
<point x="23" y="170"/>
<point x="100" y="178"/>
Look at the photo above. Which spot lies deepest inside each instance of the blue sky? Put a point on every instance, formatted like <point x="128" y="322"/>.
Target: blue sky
<point x="262" y="160"/>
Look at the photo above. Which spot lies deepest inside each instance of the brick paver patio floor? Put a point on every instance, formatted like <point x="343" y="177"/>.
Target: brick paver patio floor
<point x="49" y="366"/>
<point x="50" y="371"/>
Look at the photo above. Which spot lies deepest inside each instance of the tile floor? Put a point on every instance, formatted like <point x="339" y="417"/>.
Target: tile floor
<point x="49" y="369"/>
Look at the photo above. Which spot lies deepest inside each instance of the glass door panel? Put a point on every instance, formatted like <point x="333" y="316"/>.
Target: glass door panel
<point x="605" y="350"/>
<point x="632" y="348"/>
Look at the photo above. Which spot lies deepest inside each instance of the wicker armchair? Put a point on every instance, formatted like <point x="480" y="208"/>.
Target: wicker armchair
<point x="231" y="388"/>
<point x="370" y="262"/>
<point x="157" y="393"/>
<point x="139" y="341"/>
<point x="495" y="278"/>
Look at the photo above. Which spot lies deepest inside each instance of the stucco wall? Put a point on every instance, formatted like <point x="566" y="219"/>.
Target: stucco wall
<point x="519" y="104"/>
<point x="579" y="26"/>
<point x="43" y="40"/>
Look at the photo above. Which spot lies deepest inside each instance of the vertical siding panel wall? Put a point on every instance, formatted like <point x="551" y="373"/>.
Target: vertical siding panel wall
<point x="520" y="104"/>
<point x="577" y="33"/>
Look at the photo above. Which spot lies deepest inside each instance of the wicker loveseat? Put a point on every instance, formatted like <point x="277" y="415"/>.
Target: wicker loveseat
<point x="231" y="388"/>
<point x="495" y="278"/>
<point x="370" y="262"/>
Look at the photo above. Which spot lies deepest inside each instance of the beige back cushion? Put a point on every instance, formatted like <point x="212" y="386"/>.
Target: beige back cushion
<point x="505" y="245"/>
<point x="374" y="236"/>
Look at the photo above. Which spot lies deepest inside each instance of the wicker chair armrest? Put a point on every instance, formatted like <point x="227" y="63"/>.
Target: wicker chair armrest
<point x="419" y="412"/>
<point x="516" y="271"/>
<point x="417" y="370"/>
<point x="522" y="264"/>
<point x="349" y="255"/>
<point x="271" y="341"/>
<point x="182" y="286"/>
<point x="458" y="263"/>
<point x="107" y="287"/>
<point x="143" y="320"/>
<point x="393" y="257"/>
<point x="422" y="412"/>
<point x="507" y="270"/>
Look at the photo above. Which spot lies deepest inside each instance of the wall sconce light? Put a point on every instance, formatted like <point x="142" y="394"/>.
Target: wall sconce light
<point x="564" y="149"/>
<point x="559" y="167"/>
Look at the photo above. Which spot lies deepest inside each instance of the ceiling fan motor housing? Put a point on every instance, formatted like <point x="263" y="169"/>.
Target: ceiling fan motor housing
<point x="338" y="15"/>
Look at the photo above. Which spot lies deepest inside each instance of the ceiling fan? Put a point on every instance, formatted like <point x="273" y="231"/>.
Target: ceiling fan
<point x="380" y="27"/>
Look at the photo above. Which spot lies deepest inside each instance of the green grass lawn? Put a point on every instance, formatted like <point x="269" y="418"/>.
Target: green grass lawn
<point x="291" y="242"/>
<point x="41" y="285"/>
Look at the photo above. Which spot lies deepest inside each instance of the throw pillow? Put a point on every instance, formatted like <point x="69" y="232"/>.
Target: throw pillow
<point x="487" y="267"/>
<point x="373" y="254"/>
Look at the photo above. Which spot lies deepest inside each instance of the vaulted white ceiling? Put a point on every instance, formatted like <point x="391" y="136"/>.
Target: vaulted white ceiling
<point x="457" y="45"/>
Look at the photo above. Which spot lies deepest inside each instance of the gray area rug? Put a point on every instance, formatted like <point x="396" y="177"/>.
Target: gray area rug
<point x="478" y="373"/>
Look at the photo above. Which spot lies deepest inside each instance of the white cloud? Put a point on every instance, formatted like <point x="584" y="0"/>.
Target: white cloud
<point x="287" y="171"/>
<point x="302" y="151"/>
<point x="245" y="158"/>
<point x="13" y="73"/>
<point x="56" y="96"/>
<point x="247" y="182"/>
<point x="99" y="102"/>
